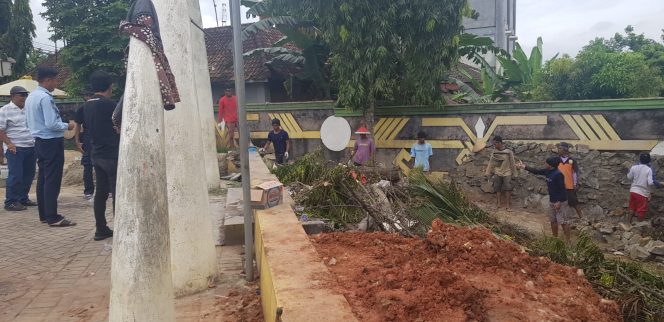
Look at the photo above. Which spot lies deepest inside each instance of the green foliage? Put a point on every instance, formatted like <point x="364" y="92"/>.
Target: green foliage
<point x="520" y="71"/>
<point x="6" y="13"/>
<point x="310" y="62"/>
<point x="637" y="291"/>
<point x="16" y="32"/>
<point x="442" y="200"/>
<point x="624" y="66"/>
<point x="305" y="170"/>
<point x="599" y="73"/>
<point x="35" y="57"/>
<point x="324" y="191"/>
<point x="89" y="28"/>
<point x="394" y="51"/>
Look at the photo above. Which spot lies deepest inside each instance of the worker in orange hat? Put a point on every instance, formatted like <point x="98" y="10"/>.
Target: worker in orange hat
<point x="364" y="148"/>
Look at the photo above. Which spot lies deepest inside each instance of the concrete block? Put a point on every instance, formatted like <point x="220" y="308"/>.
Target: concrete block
<point x="313" y="227"/>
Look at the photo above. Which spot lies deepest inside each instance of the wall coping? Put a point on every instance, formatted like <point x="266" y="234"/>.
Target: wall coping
<point x="292" y="274"/>
<point x="549" y="106"/>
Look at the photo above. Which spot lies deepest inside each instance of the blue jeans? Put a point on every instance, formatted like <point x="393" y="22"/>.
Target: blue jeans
<point x="21" y="173"/>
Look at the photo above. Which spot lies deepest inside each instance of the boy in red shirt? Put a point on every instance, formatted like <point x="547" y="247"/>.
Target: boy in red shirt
<point x="228" y="113"/>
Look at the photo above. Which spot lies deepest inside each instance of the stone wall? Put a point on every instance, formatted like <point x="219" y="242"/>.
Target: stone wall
<point x="603" y="194"/>
<point x="607" y="126"/>
<point x="604" y="187"/>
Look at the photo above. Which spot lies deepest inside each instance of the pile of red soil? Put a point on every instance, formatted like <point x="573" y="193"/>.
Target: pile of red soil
<point x="240" y="305"/>
<point x="457" y="274"/>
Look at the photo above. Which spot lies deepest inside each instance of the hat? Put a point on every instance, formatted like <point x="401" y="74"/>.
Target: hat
<point x="565" y="146"/>
<point x="69" y="134"/>
<point x="17" y="90"/>
<point x="362" y="130"/>
<point x="553" y="161"/>
<point x="276" y="122"/>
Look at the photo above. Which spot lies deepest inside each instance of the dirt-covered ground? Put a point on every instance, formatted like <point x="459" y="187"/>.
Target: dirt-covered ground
<point x="456" y="274"/>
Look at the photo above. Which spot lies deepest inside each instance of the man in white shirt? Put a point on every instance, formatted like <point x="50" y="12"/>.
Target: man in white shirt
<point x="19" y="149"/>
<point x="639" y="193"/>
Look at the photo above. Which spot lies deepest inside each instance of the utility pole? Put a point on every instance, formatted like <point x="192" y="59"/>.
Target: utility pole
<point x="238" y="64"/>
<point x="214" y="2"/>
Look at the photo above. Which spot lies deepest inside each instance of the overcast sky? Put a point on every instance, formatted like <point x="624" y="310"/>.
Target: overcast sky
<point x="565" y="25"/>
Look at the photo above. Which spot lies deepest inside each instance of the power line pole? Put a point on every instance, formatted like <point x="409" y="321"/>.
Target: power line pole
<point x="214" y="2"/>
<point x="238" y="64"/>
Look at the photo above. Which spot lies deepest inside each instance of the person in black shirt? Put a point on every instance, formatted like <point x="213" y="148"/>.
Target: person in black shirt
<point x="97" y="114"/>
<point x="83" y="144"/>
<point x="279" y="138"/>
<point x="555" y="181"/>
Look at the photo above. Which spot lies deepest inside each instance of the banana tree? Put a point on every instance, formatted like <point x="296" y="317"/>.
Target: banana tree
<point x="310" y="55"/>
<point x="491" y="86"/>
<point x="520" y="71"/>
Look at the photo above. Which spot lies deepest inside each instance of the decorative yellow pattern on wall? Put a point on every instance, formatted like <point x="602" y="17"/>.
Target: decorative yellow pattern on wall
<point x="290" y="124"/>
<point x="467" y="146"/>
<point x="592" y="130"/>
<point x="596" y="132"/>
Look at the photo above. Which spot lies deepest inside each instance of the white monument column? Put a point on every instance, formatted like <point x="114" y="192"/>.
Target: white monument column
<point x="141" y="286"/>
<point x="203" y="88"/>
<point x="193" y="254"/>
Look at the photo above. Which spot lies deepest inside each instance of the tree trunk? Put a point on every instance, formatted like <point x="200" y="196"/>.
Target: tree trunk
<point x="369" y="115"/>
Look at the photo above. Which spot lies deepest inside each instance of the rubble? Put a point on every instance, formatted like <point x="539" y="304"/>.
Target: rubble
<point x="603" y="193"/>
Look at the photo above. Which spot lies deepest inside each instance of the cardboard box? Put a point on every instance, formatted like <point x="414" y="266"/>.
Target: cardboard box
<point x="267" y="195"/>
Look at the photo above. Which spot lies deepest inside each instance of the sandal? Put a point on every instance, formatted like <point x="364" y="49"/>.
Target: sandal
<point x="63" y="223"/>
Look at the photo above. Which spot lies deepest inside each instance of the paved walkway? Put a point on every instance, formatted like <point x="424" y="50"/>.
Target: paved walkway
<point x="62" y="274"/>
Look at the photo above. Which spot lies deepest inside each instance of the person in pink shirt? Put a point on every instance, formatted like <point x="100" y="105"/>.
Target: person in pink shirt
<point x="228" y="114"/>
<point x="364" y="148"/>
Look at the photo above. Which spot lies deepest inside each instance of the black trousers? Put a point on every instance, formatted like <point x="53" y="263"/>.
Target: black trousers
<point x="105" y="171"/>
<point x="86" y="162"/>
<point x="50" y="160"/>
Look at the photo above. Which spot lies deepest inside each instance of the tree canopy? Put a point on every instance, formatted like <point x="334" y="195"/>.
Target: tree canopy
<point x="89" y="29"/>
<point x="385" y="50"/>
<point x="624" y="66"/>
<point x="16" y="33"/>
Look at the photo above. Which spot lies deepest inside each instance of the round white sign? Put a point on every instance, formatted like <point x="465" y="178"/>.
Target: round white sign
<point x="335" y="133"/>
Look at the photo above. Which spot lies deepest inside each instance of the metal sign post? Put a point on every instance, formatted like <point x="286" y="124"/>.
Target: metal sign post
<point x="238" y="64"/>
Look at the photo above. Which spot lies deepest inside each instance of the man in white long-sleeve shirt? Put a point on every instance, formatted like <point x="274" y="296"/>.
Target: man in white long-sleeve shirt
<point x="639" y="193"/>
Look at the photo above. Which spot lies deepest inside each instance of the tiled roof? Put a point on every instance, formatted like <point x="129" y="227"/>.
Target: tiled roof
<point x="220" y="55"/>
<point x="53" y="61"/>
<point x="218" y="43"/>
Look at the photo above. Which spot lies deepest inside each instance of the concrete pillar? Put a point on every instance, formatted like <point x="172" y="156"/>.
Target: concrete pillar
<point x="141" y="286"/>
<point x="193" y="254"/>
<point x="203" y="88"/>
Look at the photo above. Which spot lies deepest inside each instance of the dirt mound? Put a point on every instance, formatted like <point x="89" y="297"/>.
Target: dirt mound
<point x="457" y="274"/>
<point x="242" y="306"/>
<point x="73" y="174"/>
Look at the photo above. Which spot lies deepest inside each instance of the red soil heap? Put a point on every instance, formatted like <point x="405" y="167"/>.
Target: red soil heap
<point x="457" y="274"/>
